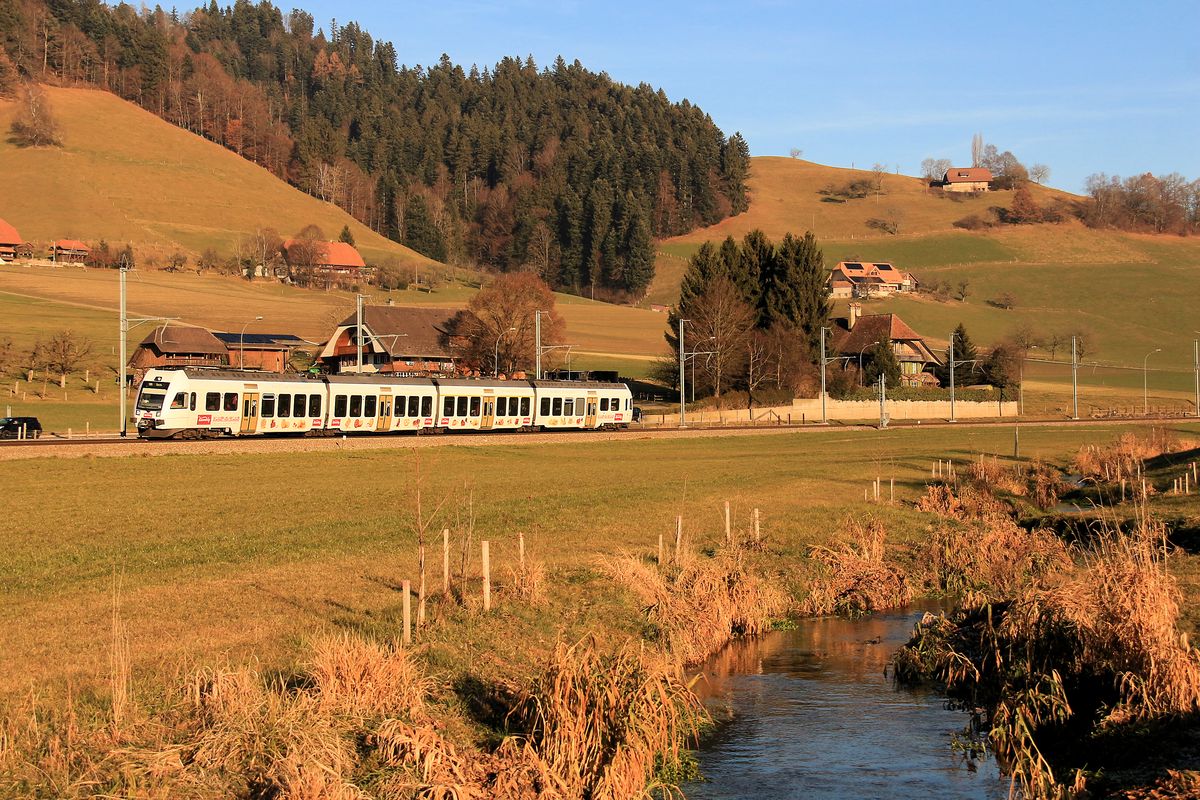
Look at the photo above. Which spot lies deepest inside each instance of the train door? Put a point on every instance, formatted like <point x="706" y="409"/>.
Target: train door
<point x="384" y="421"/>
<point x="590" y="418"/>
<point x="249" y="412"/>
<point x="489" y="413"/>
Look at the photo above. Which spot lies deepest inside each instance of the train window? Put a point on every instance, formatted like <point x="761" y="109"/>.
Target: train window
<point x="604" y="404"/>
<point x="370" y="409"/>
<point x="192" y="402"/>
<point x="545" y="410"/>
<point x="231" y="401"/>
<point x="179" y="400"/>
<point x="212" y="401"/>
<point x="339" y="405"/>
<point x="400" y="405"/>
<point x="448" y="407"/>
<point x="268" y="405"/>
<point x="426" y="406"/>
<point x="285" y="405"/>
<point x="557" y="408"/>
<point x="501" y="406"/>
<point x="314" y="405"/>
<point x="579" y="406"/>
<point x="461" y="409"/>
<point x="356" y="405"/>
<point x="568" y="407"/>
<point x="524" y="406"/>
<point x="474" y="406"/>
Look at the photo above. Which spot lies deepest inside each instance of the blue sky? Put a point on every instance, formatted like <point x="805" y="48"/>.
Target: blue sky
<point x="1082" y="87"/>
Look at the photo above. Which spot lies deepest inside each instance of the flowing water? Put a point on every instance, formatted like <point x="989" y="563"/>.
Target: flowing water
<point x="809" y="713"/>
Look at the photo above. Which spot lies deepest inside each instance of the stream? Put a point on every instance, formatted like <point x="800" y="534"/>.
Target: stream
<point x="809" y="713"/>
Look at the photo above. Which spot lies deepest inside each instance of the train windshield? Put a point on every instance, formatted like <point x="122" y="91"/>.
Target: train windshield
<point x="151" y="401"/>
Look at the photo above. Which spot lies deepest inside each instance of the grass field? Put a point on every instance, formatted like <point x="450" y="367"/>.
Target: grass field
<point x="224" y="557"/>
<point x="127" y="176"/>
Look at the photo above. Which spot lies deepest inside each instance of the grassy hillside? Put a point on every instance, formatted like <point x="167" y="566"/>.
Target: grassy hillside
<point x="127" y="176"/>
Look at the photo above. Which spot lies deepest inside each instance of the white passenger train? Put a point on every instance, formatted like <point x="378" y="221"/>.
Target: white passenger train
<point x="195" y="403"/>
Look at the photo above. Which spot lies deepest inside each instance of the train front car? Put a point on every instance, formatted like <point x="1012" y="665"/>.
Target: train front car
<point x="167" y="405"/>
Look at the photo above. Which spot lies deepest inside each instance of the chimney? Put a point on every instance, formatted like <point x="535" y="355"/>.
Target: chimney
<point x="855" y="314"/>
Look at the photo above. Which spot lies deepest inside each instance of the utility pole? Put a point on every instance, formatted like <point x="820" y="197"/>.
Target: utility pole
<point x="1074" y="381"/>
<point x="537" y="337"/>
<point x="1146" y="382"/>
<point x="824" y="414"/>
<point x="358" y="333"/>
<point x="682" y="377"/>
<point x="1196" y="356"/>
<point x="882" y="401"/>
<point x="124" y="428"/>
<point x="951" y="355"/>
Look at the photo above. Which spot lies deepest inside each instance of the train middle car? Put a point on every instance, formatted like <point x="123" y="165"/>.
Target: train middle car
<point x="194" y="403"/>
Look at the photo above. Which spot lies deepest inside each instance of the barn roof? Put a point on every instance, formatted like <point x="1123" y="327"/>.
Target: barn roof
<point x="407" y="330"/>
<point x="184" y="339"/>
<point x="261" y="341"/>
<point x="71" y="244"/>
<point x="872" y="328"/>
<point x="967" y="174"/>
<point x="8" y="234"/>
<point x="331" y="254"/>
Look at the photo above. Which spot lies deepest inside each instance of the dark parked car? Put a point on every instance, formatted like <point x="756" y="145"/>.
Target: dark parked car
<point x="14" y="427"/>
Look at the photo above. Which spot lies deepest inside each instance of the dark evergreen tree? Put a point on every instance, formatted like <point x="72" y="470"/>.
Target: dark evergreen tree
<point x="881" y="359"/>
<point x="346" y="235"/>
<point x="797" y="292"/>
<point x="967" y="367"/>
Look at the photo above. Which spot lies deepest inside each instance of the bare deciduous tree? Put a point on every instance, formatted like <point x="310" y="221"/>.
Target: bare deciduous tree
<point x="34" y="125"/>
<point x="64" y="352"/>
<point x="497" y="329"/>
<point x="1039" y="173"/>
<point x="964" y="287"/>
<point x="934" y="169"/>
<point x="721" y="323"/>
<point x="795" y="152"/>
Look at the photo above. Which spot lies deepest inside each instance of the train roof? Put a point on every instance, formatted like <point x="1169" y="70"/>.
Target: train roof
<point x="576" y="385"/>
<point x="246" y="376"/>
<point x="486" y="383"/>
<point x="377" y="379"/>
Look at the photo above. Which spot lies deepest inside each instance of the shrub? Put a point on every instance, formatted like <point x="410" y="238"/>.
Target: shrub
<point x="971" y="222"/>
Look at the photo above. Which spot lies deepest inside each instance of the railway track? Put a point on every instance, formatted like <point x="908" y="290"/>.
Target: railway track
<point x="115" y="445"/>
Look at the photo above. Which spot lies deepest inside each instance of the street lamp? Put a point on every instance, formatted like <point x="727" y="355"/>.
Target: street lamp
<point x="496" y="353"/>
<point x="242" y="344"/>
<point x="860" y="357"/>
<point x="1146" y="381"/>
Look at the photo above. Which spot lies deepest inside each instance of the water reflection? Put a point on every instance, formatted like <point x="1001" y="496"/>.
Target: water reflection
<point x="809" y="714"/>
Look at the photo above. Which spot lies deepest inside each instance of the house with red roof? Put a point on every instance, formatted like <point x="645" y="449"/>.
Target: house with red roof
<point x="869" y="279"/>
<point x="397" y="340"/>
<point x="12" y="246"/>
<point x="69" y="251"/>
<point x="331" y="263"/>
<point x="967" y="179"/>
<point x="857" y="333"/>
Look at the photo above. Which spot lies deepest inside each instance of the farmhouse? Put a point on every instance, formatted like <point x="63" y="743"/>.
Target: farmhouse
<point x="395" y="339"/>
<point x="171" y="345"/>
<point x="868" y="279"/>
<point x="69" y="251"/>
<point x="12" y="246"/>
<point x="854" y="335"/>
<point x="967" y="179"/>
<point x="332" y="263"/>
<point x="270" y="352"/>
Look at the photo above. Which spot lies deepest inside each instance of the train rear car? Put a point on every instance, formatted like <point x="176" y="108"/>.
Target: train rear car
<point x="582" y="405"/>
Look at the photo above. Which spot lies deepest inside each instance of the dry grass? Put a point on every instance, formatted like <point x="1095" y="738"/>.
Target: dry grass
<point x="698" y="604"/>
<point x="1062" y="663"/>
<point x="1125" y="458"/>
<point x="994" y="558"/>
<point x="856" y="577"/>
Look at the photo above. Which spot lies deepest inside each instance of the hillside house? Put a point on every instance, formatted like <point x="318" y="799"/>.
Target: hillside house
<point x="857" y="333"/>
<point x="69" y="251"/>
<point x="328" y="263"/>
<point x="397" y="340"/>
<point x="12" y="246"/>
<point x="172" y="345"/>
<point x="869" y="279"/>
<point x="967" y="179"/>
<point x="269" y="352"/>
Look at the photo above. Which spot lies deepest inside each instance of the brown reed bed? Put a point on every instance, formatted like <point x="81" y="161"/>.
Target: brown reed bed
<point x="696" y="604"/>
<point x="855" y="577"/>
<point x="991" y="558"/>
<point x="1069" y="664"/>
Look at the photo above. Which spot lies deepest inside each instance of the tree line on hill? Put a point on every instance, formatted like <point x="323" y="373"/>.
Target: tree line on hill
<point x="562" y="171"/>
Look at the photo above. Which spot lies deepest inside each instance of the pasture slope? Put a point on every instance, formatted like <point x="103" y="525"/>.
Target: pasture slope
<point x="1129" y="293"/>
<point x="125" y="175"/>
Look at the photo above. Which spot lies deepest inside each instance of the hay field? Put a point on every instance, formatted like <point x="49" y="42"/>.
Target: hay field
<point x="227" y="556"/>
<point x="127" y="176"/>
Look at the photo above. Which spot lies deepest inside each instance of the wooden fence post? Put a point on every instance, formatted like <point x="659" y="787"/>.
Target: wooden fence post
<point x="892" y="491"/>
<point x="487" y="577"/>
<point x="678" y="536"/>
<point x="728" y="531"/>
<point x="421" y="591"/>
<point x="521" y="552"/>
<point x="757" y="530"/>
<point x="660" y="549"/>
<point x="445" y="561"/>
<point x="406" y="588"/>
